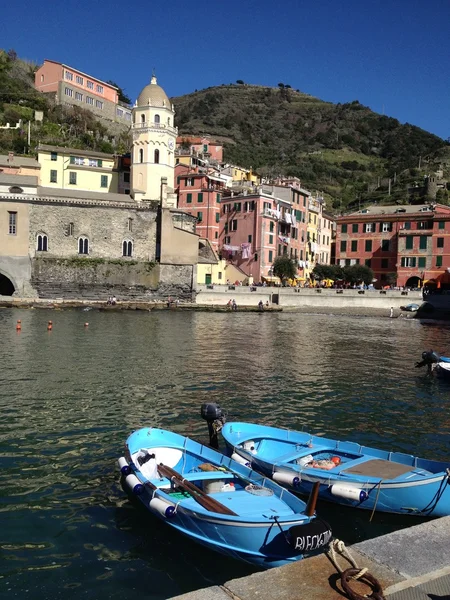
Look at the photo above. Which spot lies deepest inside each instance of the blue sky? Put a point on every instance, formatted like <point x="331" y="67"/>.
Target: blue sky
<point x="391" y="55"/>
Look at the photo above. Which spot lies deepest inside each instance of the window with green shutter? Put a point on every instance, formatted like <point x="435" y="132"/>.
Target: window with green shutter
<point x="368" y="245"/>
<point x="441" y="224"/>
<point x="217" y="217"/>
<point x="249" y="239"/>
<point x="343" y="246"/>
<point x="270" y="239"/>
<point x="53" y="176"/>
<point x="354" y="246"/>
<point x="271" y="226"/>
<point x="408" y="225"/>
<point x="217" y="197"/>
<point x="200" y="197"/>
<point x="99" y="163"/>
<point x="439" y="261"/>
<point x="423" y="242"/>
<point x="440" y="242"/>
<point x="200" y="216"/>
<point x="270" y="256"/>
<point x="344" y="228"/>
<point x="422" y="262"/>
<point x="104" y="181"/>
<point x="409" y="242"/>
<point x="188" y="198"/>
<point x="225" y="228"/>
<point x="355" y="228"/>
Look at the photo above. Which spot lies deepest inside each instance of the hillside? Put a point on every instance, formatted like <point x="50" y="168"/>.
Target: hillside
<point x="69" y="126"/>
<point x="345" y="150"/>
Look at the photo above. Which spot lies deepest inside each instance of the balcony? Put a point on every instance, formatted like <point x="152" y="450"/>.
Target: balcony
<point x="149" y="125"/>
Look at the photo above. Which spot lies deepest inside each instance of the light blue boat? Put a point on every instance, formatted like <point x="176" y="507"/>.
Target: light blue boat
<point x="218" y="502"/>
<point x="348" y="473"/>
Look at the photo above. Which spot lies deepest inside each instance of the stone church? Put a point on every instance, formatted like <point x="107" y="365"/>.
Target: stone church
<point x="57" y="242"/>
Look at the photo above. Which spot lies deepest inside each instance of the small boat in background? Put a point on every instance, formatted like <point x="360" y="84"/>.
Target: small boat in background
<point x="437" y="364"/>
<point x="348" y="473"/>
<point x="218" y="502"/>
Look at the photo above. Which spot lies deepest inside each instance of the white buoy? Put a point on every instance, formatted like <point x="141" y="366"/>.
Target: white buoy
<point x="124" y="467"/>
<point x="286" y="478"/>
<point x="351" y="493"/>
<point x="133" y="484"/>
<point x="240" y="459"/>
<point x="162" y="507"/>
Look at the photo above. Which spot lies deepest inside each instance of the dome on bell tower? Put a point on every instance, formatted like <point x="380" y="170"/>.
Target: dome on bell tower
<point x="154" y="95"/>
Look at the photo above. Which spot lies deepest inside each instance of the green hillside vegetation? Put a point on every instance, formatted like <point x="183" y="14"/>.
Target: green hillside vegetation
<point x="63" y="126"/>
<point x="346" y="151"/>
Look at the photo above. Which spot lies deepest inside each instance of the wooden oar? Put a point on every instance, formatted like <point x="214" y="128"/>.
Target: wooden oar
<point x="199" y="495"/>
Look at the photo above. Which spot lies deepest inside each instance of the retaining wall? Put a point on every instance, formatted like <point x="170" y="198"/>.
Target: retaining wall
<point x="292" y="297"/>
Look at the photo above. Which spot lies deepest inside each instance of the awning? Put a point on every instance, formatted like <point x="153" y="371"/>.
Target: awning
<point x="271" y="279"/>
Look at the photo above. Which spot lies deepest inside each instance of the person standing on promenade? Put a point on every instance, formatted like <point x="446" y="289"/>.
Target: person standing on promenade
<point x="392" y="312"/>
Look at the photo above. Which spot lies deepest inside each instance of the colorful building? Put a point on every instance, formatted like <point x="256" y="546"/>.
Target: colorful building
<point x="404" y="245"/>
<point x="73" y="169"/>
<point x="319" y="235"/>
<point x="255" y="228"/>
<point x="73" y="87"/>
<point x="200" y="194"/>
<point x="204" y="147"/>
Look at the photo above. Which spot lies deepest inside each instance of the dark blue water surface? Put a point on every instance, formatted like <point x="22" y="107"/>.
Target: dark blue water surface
<point x="70" y="397"/>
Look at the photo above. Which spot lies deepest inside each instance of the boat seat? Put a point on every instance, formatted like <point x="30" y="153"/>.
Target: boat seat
<point x="305" y="451"/>
<point x="384" y="469"/>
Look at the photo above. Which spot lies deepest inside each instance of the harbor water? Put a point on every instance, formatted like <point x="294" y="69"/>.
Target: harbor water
<point x="70" y="396"/>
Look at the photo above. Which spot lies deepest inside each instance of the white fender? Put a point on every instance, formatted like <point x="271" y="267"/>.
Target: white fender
<point x="240" y="459"/>
<point x="162" y="507"/>
<point x="351" y="493"/>
<point x="124" y="467"/>
<point x="133" y="484"/>
<point x="286" y="478"/>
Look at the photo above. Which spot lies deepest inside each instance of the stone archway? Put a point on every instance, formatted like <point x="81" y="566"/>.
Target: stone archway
<point x="6" y="286"/>
<point x="414" y="282"/>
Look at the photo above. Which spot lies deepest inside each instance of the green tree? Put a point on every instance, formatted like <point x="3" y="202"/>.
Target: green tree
<point x="284" y="267"/>
<point x="358" y="273"/>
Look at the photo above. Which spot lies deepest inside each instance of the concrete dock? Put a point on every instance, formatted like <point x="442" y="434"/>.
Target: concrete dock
<point x="410" y="564"/>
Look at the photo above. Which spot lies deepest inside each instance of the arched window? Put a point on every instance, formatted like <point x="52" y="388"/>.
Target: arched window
<point x="142" y="118"/>
<point x="168" y="120"/>
<point x="141" y="155"/>
<point x="156" y="156"/>
<point x="42" y="243"/>
<point x="83" y="245"/>
<point x="157" y="119"/>
<point x="127" y="248"/>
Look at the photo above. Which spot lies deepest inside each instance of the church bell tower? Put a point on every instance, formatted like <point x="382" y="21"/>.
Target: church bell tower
<point x="154" y="140"/>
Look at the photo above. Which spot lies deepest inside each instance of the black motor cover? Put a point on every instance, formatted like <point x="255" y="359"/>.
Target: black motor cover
<point x="211" y="411"/>
<point x="310" y="536"/>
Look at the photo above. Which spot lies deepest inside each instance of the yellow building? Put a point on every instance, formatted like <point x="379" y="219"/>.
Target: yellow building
<point x="73" y="169"/>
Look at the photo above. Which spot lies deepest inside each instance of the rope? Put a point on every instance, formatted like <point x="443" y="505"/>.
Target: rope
<point x="353" y="574"/>
<point x="376" y="501"/>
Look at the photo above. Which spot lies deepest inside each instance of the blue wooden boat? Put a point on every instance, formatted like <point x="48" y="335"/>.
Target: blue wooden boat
<point x="436" y="364"/>
<point x="348" y="473"/>
<point x="218" y="502"/>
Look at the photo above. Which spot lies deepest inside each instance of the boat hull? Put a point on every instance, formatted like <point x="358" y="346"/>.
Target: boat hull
<point x="366" y="478"/>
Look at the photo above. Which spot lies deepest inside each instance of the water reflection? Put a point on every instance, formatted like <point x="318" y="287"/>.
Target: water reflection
<point x="70" y="397"/>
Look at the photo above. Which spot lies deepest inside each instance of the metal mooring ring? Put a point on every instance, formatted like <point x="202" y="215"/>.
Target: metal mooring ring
<point x="367" y="578"/>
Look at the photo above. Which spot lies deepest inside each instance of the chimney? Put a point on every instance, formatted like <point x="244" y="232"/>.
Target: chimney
<point x="10" y="157"/>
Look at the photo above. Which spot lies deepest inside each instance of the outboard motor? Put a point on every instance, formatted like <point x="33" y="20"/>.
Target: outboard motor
<point x="429" y="358"/>
<point x="215" y="417"/>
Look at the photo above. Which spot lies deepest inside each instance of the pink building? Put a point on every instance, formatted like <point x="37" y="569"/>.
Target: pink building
<point x="205" y="147"/>
<point x="73" y="87"/>
<point x="200" y="194"/>
<point x="256" y="228"/>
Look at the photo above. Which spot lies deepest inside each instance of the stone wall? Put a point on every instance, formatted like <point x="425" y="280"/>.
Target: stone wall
<point x="106" y="227"/>
<point x="97" y="279"/>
